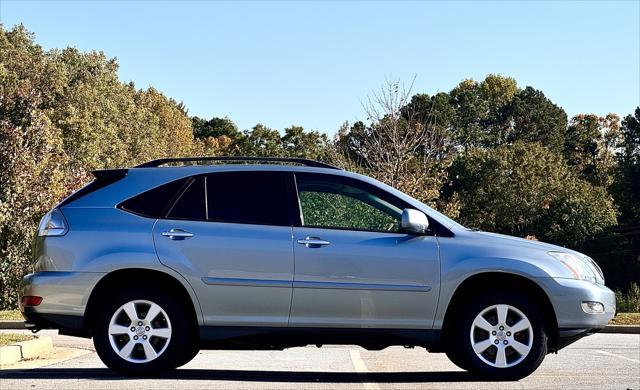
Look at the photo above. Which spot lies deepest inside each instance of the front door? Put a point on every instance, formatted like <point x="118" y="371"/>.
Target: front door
<point x="229" y="234"/>
<point x="354" y="267"/>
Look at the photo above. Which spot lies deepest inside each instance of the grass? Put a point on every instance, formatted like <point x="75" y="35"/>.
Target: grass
<point x="11" y="315"/>
<point x="626" y="319"/>
<point x="11" y="338"/>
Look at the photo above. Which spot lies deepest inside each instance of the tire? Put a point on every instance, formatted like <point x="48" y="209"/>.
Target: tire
<point x="508" y="349"/>
<point x="123" y="343"/>
<point x="190" y="354"/>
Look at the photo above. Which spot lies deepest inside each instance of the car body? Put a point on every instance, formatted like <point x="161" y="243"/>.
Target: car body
<point x="275" y="255"/>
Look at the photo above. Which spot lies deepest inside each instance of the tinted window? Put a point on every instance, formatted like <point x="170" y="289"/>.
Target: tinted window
<point x="103" y="179"/>
<point x="334" y="202"/>
<point x="248" y="197"/>
<point x="154" y="203"/>
<point x="191" y="204"/>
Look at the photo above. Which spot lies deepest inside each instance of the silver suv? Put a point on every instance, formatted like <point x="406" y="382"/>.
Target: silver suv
<point x="157" y="262"/>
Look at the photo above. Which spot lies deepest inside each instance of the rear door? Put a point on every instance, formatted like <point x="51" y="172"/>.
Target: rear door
<point x="230" y="235"/>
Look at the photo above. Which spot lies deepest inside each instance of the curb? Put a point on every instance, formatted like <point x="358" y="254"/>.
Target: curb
<point x="623" y="329"/>
<point x="25" y="350"/>
<point x="12" y="324"/>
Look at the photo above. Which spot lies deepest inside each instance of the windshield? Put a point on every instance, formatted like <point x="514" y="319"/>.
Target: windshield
<point x="443" y="218"/>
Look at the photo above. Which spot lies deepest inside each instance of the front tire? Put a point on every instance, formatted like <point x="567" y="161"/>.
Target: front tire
<point x="141" y="331"/>
<point x="499" y="335"/>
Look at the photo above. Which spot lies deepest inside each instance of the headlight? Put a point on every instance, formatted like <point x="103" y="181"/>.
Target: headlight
<point x="578" y="267"/>
<point x="52" y="224"/>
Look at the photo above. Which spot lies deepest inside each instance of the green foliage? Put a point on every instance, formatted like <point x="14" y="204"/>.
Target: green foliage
<point x="214" y="127"/>
<point x="628" y="302"/>
<point x="580" y="145"/>
<point x="339" y="211"/>
<point x="589" y="146"/>
<point x="296" y="142"/>
<point x="481" y="110"/>
<point x="527" y="190"/>
<point x="62" y="114"/>
<point x="536" y="119"/>
<point x="32" y="158"/>
<point x="626" y="188"/>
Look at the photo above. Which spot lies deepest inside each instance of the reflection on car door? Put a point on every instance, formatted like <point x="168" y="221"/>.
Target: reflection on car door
<point x="353" y="265"/>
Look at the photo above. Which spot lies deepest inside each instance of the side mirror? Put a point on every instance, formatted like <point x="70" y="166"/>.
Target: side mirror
<point x="414" y="221"/>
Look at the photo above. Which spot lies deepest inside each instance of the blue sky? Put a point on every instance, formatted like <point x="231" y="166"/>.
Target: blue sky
<point x="313" y="63"/>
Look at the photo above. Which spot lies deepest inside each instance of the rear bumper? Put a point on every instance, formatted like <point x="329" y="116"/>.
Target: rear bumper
<point x="64" y="298"/>
<point x="36" y="321"/>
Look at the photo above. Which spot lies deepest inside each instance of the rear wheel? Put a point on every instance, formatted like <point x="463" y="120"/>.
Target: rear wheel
<point x="501" y="335"/>
<point x="142" y="331"/>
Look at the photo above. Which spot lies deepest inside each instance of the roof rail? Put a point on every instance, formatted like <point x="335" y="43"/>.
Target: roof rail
<point x="301" y="161"/>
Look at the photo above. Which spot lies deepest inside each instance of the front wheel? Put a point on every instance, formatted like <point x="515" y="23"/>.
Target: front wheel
<point x="141" y="331"/>
<point x="500" y="335"/>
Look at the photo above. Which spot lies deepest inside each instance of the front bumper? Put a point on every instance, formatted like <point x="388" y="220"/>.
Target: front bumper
<point x="567" y="295"/>
<point x="64" y="298"/>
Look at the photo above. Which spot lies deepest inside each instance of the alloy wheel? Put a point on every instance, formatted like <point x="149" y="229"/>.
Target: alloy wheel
<point x="501" y="336"/>
<point x="139" y="331"/>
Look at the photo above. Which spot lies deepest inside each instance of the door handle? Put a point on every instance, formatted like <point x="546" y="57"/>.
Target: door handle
<point x="313" y="242"/>
<point x="177" y="234"/>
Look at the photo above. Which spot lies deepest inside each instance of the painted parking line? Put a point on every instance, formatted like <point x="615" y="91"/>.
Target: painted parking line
<point x="618" y="356"/>
<point x="361" y="368"/>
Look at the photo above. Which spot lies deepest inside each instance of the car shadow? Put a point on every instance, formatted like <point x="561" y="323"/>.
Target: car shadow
<point x="249" y="375"/>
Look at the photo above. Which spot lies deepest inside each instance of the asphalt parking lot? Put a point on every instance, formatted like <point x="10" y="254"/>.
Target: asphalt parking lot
<point x="604" y="361"/>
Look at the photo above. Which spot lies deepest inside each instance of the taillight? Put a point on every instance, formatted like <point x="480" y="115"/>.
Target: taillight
<point x="30" y="300"/>
<point x="53" y="224"/>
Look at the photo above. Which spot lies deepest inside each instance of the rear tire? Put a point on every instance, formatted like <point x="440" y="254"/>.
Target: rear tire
<point x="190" y="354"/>
<point x="129" y="341"/>
<point x="500" y="335"/>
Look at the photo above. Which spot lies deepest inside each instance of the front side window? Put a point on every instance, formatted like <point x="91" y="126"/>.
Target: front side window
<point x="341" y="203"/>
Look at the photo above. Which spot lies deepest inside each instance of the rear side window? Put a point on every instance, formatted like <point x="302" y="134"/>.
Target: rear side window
<point x="191" y="204"/>
<point x="104" y="178"/>
<point x="248" y="197"/>
<point x="155" y="202"/>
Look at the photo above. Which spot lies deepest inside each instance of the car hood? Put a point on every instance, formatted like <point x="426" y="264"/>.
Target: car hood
<point x="523" y="242"/>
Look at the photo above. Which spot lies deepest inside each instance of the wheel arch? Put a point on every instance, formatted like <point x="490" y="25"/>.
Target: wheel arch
<point x="505" y="280"/>
<point x="136" y="275"/>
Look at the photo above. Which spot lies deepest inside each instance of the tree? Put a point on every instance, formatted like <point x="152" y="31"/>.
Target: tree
<point x="298" y="143"/>
<point x="481" y="110"/>
<point x="470" y="114"/>
<point x="62" y="114"/>
<point x="536" y="119"/>
<point x="626" y="188"/>
<point x="400" y="146"/>
<point x="527" y="190"/>
<point x="589" y="146"/>
<point x="32" y="159"/>
<point x="631" y="138"/>
<point x="259" y="141"/>
<point x="581" y="143"/>
<point x="214" y="127"/>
